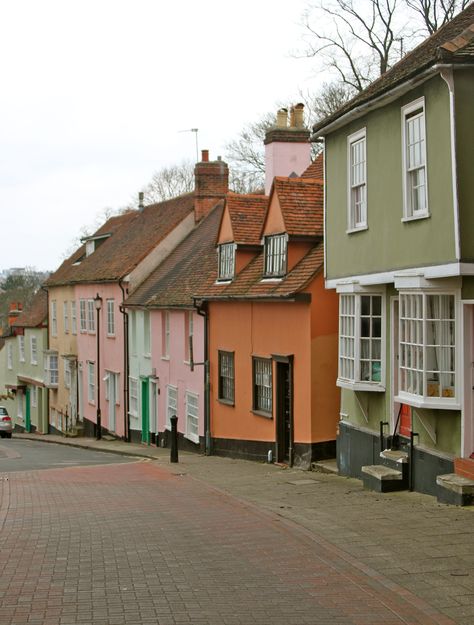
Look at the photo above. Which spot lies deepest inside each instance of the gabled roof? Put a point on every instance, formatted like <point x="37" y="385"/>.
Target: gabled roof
<point x="246" y="214"/>
<point x="191" y="265"/>
<point x="248" y="284"/>
<point x="301" y="204"/>
<point x="438" y="48"/>
<point x="134" y="235"/>
<point x="35" y="313"/>
<point x="316" y="169"/>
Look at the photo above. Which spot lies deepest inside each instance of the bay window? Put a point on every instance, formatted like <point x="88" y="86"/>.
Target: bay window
<point x="427" y="348"/>
<point x="361" y="341"/>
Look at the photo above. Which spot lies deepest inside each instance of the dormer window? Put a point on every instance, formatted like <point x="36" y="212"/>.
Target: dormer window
<point x="275" y="255"/>
<point x="226" y="261"/>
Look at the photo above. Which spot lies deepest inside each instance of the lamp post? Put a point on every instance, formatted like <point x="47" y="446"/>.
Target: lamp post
<point x="98" y="306"/>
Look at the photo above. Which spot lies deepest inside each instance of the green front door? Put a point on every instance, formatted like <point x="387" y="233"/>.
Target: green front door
<point x="28" y="410"/>
<point x="145" y="412"/>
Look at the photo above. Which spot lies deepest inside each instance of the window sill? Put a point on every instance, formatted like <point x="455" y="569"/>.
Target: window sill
<point x="272" y="279"/>
<point x="358" y="229"/>
<point x="374" y="387"/>
<point x="435" y="403"/>
<point x="416" y="217"/>
<point x="165" y="358"/>
<point x="147" y="356"/>
<point x="226" y="402"/>
<point x="224" y="280"/>
<point x="192" y="438"/>
<point x="261" y="413"/>
<point x="110" y="336"/>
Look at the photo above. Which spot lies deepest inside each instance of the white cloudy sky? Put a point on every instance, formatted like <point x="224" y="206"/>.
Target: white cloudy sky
<point x="95" y="92"/>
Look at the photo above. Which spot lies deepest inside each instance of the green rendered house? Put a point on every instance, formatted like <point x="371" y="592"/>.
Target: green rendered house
<point x="399" y="250"/>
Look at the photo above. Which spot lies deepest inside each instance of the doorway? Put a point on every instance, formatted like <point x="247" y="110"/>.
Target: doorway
<point x="28" y="410"/>
<point x="153" y="407"/>
<point x="145" y="401"/>
<point x="284" y="416"/>
<point x="467" y="426"/>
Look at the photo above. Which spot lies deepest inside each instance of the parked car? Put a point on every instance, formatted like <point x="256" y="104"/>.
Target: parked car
<point x="6" y="425"/>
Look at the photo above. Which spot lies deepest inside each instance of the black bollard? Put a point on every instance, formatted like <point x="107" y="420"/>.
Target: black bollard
<point x="174" y="439"/>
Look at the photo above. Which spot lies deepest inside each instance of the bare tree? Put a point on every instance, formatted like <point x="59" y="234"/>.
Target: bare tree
<point x="357" y="39"/>
<point x="330" y="97"/>
<point x="435" y="13"/>
<point x="169" y="182"/>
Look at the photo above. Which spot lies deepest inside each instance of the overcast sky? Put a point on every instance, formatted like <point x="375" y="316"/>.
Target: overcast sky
<point x="94" y="94"/>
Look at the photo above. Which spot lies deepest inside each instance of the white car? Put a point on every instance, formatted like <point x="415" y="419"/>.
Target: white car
<point x="6" y="425"/>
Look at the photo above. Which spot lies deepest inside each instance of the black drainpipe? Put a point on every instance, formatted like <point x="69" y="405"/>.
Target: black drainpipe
<point x="126" y="415"/>
<point x="202" y="310"/>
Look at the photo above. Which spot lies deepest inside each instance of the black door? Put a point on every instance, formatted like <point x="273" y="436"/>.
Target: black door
<point x="283" y="413"/>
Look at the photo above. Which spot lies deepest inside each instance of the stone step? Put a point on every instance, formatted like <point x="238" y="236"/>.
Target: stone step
<point x="396" y="459"/>
<point x="455" y="489"/>
<point x="325" y="466"/>
<point x="383" y="479"/>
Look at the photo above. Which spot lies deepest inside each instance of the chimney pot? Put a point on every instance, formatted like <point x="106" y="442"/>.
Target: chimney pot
<point x="282" y="118"/>
<point x="205" y="156"/>
<point x="299" y="115"/>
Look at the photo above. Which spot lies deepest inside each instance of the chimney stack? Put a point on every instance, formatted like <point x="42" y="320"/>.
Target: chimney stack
<point x="15" y="309"/>
<point x="211" y="183"/>
<point x="287" y="148"/>
<point x="140" y="201"/>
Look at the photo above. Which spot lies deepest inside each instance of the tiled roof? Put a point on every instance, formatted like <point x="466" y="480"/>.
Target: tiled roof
<point x="35" y="313"/>
<point x="249" y="285"/>
<point x="135" y="234"/>
<point x="301" y="203"/>
<point x="316" y="169"/>
<point x="246" y="214"/>
<point x="431" y="51"/>
<point x="192" y="264"/>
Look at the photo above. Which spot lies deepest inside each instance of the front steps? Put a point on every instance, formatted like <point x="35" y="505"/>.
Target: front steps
<point x="391" y="475"/>
<point x="457" y="488"/>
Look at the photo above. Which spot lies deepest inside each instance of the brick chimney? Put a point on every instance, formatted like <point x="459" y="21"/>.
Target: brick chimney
<point x="211" y="183"/>
<point x="287" y="146"/>
<point x="14" y="312"/>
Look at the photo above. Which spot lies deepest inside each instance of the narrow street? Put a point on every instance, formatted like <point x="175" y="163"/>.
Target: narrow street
<point x="136" y="541"/>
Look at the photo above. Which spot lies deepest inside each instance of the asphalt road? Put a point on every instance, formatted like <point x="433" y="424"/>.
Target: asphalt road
<point x="25" y="455"/>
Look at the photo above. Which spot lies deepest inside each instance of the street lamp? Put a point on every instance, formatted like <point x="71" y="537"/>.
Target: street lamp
<point x="98" y="306"/>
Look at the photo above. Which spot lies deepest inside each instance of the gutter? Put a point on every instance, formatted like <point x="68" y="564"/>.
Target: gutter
<point x="294" y="297"/>
<point x="375" y="103"/>
<point x="126" y="415"/>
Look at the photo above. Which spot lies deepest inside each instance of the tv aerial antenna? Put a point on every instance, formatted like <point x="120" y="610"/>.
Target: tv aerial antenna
<point x="195" y="130"/>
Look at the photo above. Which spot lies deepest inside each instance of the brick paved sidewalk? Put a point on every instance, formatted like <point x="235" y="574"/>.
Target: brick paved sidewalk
<point x="407" y="539"/>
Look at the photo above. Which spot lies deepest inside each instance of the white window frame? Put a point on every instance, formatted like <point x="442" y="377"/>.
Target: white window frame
<point x="91" y="382"/>
<point x="424" y="399"/>
<point x="166" y="334"/>
<point x="226" y="262"/>
<point x="188" y="333"/>
<point x="33" y="350"/>
<point x="190" y="417"/>
<point x="73" y="317"/>
<point x="83" y="315"/>
<point x="67" y="373"/>
<point x="91" y="316"/>
<point x="355" y="353"/>
<point x="110" y="307"/>
<point x="406" y="113"/>
<point x="171" y="404"/>
<point x="133" y="396"/>
<point x="54" y="318"/>
<point x="275" y="251"/>
<point x="66" y="317"/>
<point x="51" y="369"/>
<point x="146" y="333"/>
<point x="21" y="348"/>
<point x="359" y="137"/>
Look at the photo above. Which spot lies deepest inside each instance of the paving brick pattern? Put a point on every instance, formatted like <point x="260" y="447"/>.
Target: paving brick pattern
<point x="142" y="543"/>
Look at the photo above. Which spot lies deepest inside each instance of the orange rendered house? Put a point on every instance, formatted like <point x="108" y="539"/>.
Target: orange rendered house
<point x="273" y="328"/>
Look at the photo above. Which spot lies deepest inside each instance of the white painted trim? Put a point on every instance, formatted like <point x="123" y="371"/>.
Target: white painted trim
<point x="360" y="386"/>
<point x="427" y="402"/>
<point x="353" y="138"/>
<point x="386" y="277"/>
<point x="446" y="74"/>
<point x="405" y="111"/>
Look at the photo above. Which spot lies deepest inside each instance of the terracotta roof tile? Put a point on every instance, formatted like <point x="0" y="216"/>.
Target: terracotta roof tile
<point x="246" y="214"/>
<point x="316" y="169"/>
<point x="249" y="284"/>
<point x="190" y="266"/>
<point x="431" y="51"/>
<point x="35" y="314"/>
<point x="301" y="202"/>
<point x="134" y="235"/>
